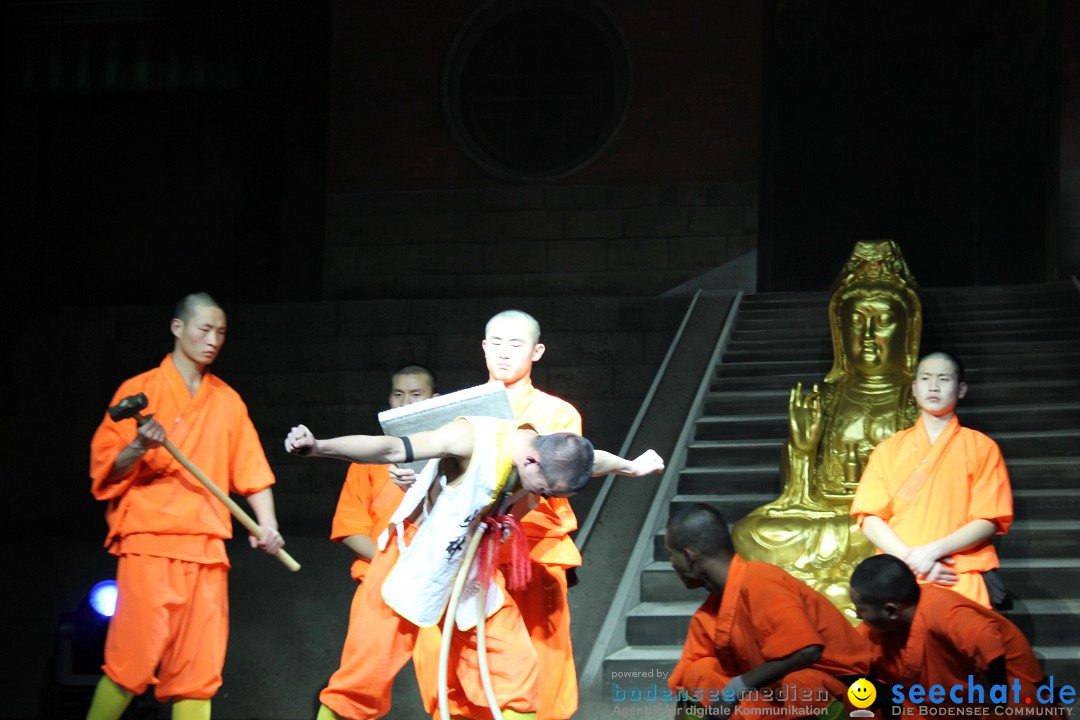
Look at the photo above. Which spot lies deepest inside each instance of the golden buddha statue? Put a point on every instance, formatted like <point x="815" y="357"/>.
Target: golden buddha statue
<point x="875" y="319"/>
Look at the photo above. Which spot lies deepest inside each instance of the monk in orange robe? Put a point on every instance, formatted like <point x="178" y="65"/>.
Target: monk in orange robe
<point x="763" y="642"/>
<point x="555" y="465"/>
<point x="927" y="635"/>
<point x="171" y="623"/>
<point x="934" y="495"/>
<point x="368" y="498"/>
<point x="511" y="345"/>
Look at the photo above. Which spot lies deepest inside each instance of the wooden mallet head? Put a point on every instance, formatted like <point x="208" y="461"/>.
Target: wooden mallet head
<point x="129" y="407"/>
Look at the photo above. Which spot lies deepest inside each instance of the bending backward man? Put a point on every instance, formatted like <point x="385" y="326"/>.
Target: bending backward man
<point x="511" y="345"/>
<point x="172" y="612"/>
<point x="478" y="457"/>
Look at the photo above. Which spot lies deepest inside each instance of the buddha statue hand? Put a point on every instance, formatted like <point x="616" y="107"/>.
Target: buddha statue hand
<point x="805" y="419"/>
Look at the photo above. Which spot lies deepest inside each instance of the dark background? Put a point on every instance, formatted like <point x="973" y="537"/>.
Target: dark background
<point x="296" y="161"/>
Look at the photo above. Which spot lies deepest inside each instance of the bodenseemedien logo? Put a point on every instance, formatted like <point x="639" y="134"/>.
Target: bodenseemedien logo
<point x="862" y="694"/>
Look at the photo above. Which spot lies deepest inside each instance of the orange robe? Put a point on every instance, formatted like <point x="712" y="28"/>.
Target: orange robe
<point x="543" y="602"/>
<point x="365" y="505"/>
<point x="952" y="637"/>
<point x="379" y="643"/>
<point x="766" y="614"/>
<point x="169" y="532"/>
<point x="925" y="492"/>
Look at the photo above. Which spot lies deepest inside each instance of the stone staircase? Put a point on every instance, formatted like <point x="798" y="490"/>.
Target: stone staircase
<point x="1021" y="347"/>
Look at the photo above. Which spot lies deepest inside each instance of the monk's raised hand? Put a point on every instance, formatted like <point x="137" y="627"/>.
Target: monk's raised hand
<point x="300" y="441"/>
<point x="804" y="418"/>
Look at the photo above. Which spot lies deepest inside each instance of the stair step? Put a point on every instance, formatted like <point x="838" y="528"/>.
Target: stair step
<point x="734" y="506"/>
<point x="934" y="314"/>
<point x="1014" y="445"/>
<point x="733" y="452"/>
<point x="1047" y="579"/>
<point x="1047" y="623"/>
<point x="1024" y="473"/>
<point x="952" y="326"/>
<point x="983" y="367"/>
<point x="1021" y="349"/>
<point x="661" y="623"/>
<point x="1040" y="539"/>
<point x="987" y="419"/>
<point x="773" y="351"/>
<point x="1050" y="540"/>
<point x="749" y="478"/>
<point x="737" y="401"/>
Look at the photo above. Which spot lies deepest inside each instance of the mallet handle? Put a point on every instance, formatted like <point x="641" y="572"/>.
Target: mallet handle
<point x="238" y="512"/>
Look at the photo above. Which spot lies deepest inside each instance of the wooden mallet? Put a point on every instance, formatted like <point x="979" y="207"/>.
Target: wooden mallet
<point x="130" y="406"/>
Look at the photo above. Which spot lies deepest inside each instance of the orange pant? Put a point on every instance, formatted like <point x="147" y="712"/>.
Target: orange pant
<point x="380" y="641"/>
<point x="546" y="615"/>
<point x="173" y="616"/>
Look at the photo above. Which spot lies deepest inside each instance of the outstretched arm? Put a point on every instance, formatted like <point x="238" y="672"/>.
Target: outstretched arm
<point x="648" y="463"/>
<point x="455" y="439"/>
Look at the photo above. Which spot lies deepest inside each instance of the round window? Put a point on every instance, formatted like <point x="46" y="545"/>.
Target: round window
<point x="536" y="89"/>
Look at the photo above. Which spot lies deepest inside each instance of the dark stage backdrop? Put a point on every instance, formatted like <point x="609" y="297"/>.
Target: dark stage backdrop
<point x="930" y="123"/>
<point x="154" y="147"/>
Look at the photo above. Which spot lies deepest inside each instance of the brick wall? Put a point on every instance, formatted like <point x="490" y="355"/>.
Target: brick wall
<point x="328" y="365"/>
<point x="635" y="239"/>
<point x="674" y="194"/>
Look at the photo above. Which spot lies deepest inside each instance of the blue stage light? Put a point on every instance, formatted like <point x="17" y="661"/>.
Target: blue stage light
<point x="103" y="598"/>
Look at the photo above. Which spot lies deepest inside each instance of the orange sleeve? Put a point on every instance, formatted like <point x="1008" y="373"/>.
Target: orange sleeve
<point x="352" y="516"/>
<point x="567" y="420"/>
<point x="249" y="471"/>
<point x="974" y="635"/>
<point x="781" y="624"/>
<point x="991" y="494"/>
<point x="112" y="437"/>
<point x="872" y="496"/>
<point x="698" y="668"/>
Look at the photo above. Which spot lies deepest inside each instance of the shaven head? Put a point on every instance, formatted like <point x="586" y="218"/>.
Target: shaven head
<point x="410" y="384"/>
<point x="885" y="578"/>
<point x="566" y="462"/>
<point x="958" y="367"/>
<point x="427" y="373"/>
<point x="884" y="593"/>
<point x="531" y="325"/>
<point x="702" y="528"/>
<point x="190" y="303"/>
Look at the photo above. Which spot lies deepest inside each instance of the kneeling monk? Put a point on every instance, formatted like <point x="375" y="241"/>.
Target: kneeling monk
<point x="763" y="639"/>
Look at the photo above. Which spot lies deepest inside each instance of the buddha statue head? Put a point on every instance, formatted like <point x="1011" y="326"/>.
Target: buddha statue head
<point x="875" y="317"/>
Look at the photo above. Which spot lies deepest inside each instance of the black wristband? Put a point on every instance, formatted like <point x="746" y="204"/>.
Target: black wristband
<point x="408" y="449"/>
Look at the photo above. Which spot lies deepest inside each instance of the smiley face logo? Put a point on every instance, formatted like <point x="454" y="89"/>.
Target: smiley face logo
<point x="862" y="693"/>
